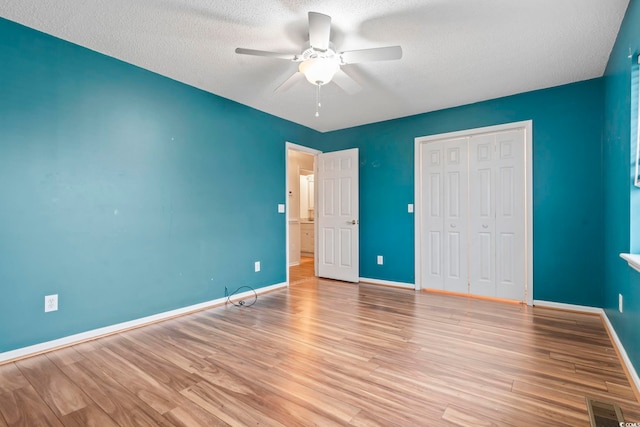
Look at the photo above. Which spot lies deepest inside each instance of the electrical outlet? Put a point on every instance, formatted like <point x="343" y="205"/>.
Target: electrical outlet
<point x="620" y="303"/>
<point x="51" y="303"/>
<point x="380" y="260"/>
<point x="257" y="266"/>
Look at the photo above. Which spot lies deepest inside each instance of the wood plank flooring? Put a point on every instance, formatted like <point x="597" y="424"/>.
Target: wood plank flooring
<point x="301" y="272"/>
<point x="328" y="353"/>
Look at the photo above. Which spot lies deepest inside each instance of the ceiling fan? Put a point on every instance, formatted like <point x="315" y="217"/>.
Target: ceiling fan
<point x="320" y="63"/>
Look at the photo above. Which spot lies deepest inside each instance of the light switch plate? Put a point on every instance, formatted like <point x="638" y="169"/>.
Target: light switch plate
<point x="281" y="208"/>
<point x="410" y="207"/>
<point x="620" y="303"/>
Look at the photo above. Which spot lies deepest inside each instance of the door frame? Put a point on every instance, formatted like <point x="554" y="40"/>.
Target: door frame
<point x="314" y="153"/>
<point x="527" y="125"/>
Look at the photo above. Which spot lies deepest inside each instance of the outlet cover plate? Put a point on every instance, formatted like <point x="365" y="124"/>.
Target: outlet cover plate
<point x="257" y="266"/>
<point x="50" y="303"/>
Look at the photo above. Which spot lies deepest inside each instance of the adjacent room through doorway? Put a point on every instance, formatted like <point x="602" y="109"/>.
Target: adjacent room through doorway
<point x="300" y="213"/>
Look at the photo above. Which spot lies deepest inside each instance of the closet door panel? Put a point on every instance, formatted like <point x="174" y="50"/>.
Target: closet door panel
<point x="510" y="214"/>
<point x="432" y="215"/>
<point x="482" y="221"/>
<point x="455" y="203"/>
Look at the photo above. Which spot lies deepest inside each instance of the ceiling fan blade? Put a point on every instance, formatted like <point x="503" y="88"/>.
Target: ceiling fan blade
<point x="277" y="55"/>
<point x="346" y="82"/>
<point x="295" y="78"/>
<point x="374" y="54"/>
<point x="319" y="30"/>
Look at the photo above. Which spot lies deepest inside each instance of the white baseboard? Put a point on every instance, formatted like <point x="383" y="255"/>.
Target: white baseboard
<point x="612" y="333"/>
<point x="623" y="353"/>
<point x="387" y="283"/>
<point x="568" y="307"/>
<point x="119" y="327"/>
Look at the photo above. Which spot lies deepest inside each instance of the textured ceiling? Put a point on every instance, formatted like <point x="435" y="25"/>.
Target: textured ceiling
<point x="455" y="51"/>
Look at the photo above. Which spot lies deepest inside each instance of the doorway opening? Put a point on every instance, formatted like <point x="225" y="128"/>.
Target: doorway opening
<point x="301" y="201"/>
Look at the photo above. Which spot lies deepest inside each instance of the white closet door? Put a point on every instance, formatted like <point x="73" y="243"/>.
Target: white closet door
<point x="432" y="215"/>
<point x="496" y="215"/>
<point x="482" y="220"/>
<point x="455" y="248"/>
<point x="510" y="214"/>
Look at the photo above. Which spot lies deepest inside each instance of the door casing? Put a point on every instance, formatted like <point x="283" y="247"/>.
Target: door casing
<point x="313" y="152"/>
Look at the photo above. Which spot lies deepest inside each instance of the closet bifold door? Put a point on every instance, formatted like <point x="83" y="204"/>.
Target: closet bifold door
<point x="496" y="215"/>
<point x="510" y="215"/>
<point x="432" y="219"/>
<point x="455" y="248"/>
<point x="445" y="233"/>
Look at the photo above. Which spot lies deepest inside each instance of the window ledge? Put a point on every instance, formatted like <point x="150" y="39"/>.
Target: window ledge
<point x="633" y="260"/>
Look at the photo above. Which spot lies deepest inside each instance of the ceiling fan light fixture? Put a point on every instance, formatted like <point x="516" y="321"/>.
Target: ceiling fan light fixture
<point x="319" y="71"/>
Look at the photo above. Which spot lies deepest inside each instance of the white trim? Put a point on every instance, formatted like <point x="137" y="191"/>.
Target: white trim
<point x="118" y="327"/>
<point x="633" y="260"/>
<point x="623" y="353"/>
<point x="419" y="141"/>
<point x="528" y="125"/>
<point x="417" y="210"/>
<point x="473" y="131"/>
<point x="568" y="307"/>
<point x="313" y="152"/>
<point x="636" y="177"/>
<point x="387" y="283"/>
<point x="308" y="150"/>
<point x="612" y="332"/>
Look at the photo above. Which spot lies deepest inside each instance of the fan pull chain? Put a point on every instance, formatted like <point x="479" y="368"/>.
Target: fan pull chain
<point x="318" y="104"/>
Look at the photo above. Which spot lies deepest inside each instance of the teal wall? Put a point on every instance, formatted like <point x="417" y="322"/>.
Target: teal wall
<point x="126" y="193"/>
<point x="130" y="194"/>
<point x="567" y="186"/>
<point x="622" y="199"/>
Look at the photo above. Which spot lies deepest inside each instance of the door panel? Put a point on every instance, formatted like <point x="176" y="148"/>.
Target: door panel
<point x="497" y="227"/>
<point x="346" y="236"/>
<point x="444" y="218"/>
<point x="432" y="217"/>
<point x="482" y="215"/>
<point x="484" y="258"/>
<point x="328" y="246"/>
<point x="455" y="215"/>
<point x="510" y="214"/>
<point x="338" y="216"/>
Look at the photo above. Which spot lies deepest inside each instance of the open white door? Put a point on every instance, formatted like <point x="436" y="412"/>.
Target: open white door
<point x="337" y="215"/>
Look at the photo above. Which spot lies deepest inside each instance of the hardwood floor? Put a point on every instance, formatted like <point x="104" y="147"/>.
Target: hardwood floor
<point x="301" y="272"/>
<point x="329" y="353"/>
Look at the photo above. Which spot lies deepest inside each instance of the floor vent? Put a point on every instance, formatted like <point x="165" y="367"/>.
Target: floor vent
<point x="604" y="414"/>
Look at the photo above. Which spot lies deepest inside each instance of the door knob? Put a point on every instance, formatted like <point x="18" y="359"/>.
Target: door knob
<point x="485" y="226"/>
<point x="352" y="222"/>
<point x="452" y="225"/>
